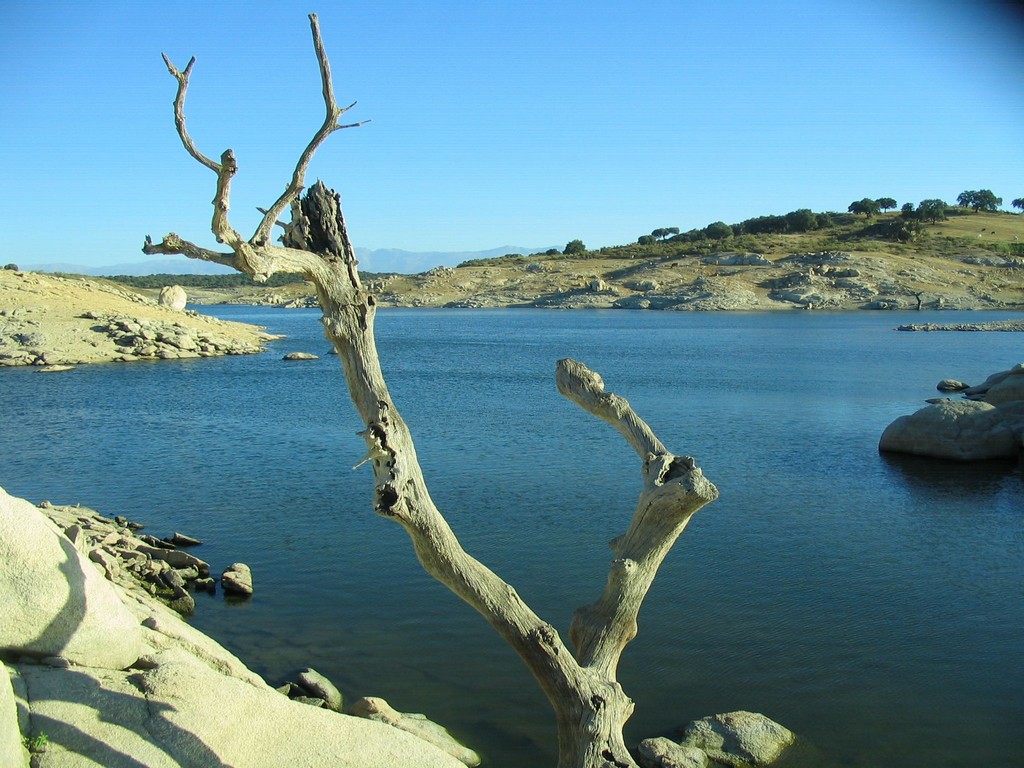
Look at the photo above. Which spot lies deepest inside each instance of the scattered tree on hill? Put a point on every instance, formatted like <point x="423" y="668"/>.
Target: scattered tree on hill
<point x="645" y="239"/>
<point x="579" y="679"/>
<point x="574" y="246"/>
<point x="902" y="229"/>
<point x="979" y="200"/>
<point x="664" y="232"/>
<point x="907" y="211"/>
<point x="886" y="203"/>
<point x="718" y="230"/>
<point x="801" y="220"/>
<point x="932" y="210"/>
<point x="1018" y="203"/>
<point x="761" y="225"/>
<point x="866" y="205"/>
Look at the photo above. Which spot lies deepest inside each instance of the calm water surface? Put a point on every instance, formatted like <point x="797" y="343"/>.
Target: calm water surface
<point x="873" y="604"/>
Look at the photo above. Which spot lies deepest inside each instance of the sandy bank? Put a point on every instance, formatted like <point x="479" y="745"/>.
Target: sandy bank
<point x="48" y="320"/>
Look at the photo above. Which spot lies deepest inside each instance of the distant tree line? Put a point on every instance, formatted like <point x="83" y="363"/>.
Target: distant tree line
<point x="903" y="228"/>
<point x="234" y="280"/>
<point x="215" y="282"/>
<point x="801" y="220"/>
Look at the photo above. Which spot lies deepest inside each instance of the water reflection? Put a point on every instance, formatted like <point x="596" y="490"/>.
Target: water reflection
<point x="968" y="480"/>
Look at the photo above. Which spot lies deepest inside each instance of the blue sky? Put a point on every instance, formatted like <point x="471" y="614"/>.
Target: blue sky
<point x="509" y="122"/>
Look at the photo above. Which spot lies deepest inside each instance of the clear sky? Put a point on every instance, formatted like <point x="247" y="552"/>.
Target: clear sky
<point x="499" y="122"/>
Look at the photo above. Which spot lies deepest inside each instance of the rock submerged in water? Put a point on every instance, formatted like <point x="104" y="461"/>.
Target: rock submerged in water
<point x="739" y="739"/>
<point x="735" y="739"/>
<point x="665" y="753"/>
<point x="300" y="356"/>
<point x="315" y="685"/>
<point x="237" y="580"/>
<point x="375" y="708"/>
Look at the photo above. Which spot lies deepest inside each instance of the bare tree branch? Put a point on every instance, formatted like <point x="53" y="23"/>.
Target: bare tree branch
<point x="179" y="111"/>
<point x="590" y="706"/>
<point x="330" y="125"/>
<point x="674" y="489"/>
<point x="586" y="388"/>
<point x="174" y="245"/>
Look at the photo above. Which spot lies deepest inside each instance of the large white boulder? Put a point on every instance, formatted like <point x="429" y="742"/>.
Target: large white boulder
<point x="173" y="296"/>
<point x="11" y="751"/>
<point x="182" y="713"/>
<point x="55" y="602"/>
<point x="1008" y="389"/>
<point x="963" y="430"/>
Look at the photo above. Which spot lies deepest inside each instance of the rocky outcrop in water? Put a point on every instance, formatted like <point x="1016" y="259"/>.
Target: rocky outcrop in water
<point x="139" y="339"/>
<point x="735" y="739"/>
<point x="989" y="424"/>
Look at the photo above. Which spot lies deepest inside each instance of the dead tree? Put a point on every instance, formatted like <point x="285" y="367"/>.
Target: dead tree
<point x="580" y="682"/>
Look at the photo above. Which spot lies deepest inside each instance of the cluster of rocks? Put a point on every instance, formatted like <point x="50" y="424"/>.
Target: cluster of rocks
<point x="162" y="567"/>
<point x="154" y="339"/>
<point x="824" y="282"/>
<point x="48" y="321"/>
<point x="994" y="261"/>
<point x="94" y="669"/>
<point x="737" y="260"/>
<point x="734" y="739"/>
<point x="309" y="301"/>
<point x="312" y="688"/>
<point x="704" y="294"/>
<point x="987" y="424"/>
<point x="994" y="325"/>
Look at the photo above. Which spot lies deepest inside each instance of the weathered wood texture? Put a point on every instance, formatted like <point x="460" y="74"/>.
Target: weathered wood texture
<point x="590" y="705"/>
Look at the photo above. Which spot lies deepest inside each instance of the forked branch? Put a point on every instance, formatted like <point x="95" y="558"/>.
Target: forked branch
<point x="250" y="258"/>
<point x="179" y="112"/>
<point x="674" y="488"/>
<point x="330" y="125"/>
<point x="590" y="706"/>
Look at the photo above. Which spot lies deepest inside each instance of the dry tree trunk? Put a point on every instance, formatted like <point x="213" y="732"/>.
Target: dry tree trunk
<point x="590" y="705"/>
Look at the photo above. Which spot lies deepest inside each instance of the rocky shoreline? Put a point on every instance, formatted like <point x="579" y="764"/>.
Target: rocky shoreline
<point x="1012" y="326"/>
<point x="97" y="667"/>
<point x="55" y="322"/>
<point x="723" y="281"/>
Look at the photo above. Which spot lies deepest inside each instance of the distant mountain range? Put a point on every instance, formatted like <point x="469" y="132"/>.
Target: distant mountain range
<point x="380" y="260"/>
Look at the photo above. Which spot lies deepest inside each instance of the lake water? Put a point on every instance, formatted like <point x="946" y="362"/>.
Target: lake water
<point x="873" y="604"/>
